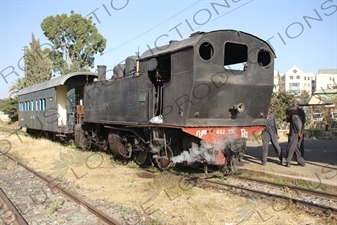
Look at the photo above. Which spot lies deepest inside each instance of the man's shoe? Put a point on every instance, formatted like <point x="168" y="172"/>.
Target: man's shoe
<point x="263" y="163"/>
<point x="287" y="164"/>
<point x="281" y="160"/>
<point x="303" y="165"/>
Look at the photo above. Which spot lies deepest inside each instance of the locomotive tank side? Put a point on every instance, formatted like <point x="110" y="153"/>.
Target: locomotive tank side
<point x="233" y="80"/>
<point x="228" y="82"/>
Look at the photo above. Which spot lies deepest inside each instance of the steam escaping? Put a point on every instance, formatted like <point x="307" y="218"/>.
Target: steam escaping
<point x="203" y="153"/>
<point x="207" y="152"/>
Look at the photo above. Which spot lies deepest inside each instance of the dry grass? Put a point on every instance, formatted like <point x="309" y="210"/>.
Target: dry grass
<point x="161" y="196"/>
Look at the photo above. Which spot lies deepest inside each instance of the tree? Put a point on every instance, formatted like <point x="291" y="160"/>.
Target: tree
<point x="2" y="101"/>
<point x="304" y="95"/>
<point x="75" y="41"/>
<point x="280" y="102"/>
<point x="38" y="66"/>
<point x="10" y="107"/>
<point x="16" y="86"/>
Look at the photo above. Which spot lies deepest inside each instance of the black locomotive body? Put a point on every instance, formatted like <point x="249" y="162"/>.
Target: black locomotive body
<point x="192" y="101"/>
<point x="196" y="100"/>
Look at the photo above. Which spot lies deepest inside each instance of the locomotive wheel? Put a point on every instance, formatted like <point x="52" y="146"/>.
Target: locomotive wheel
<point x="141" y="158"/>
<point x="165" y="163"/>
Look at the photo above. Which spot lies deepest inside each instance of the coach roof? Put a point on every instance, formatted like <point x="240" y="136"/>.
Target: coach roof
<point x="53" y="82"/>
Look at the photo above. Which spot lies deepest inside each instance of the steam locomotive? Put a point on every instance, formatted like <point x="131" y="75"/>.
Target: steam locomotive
<point x="194" y="101"/>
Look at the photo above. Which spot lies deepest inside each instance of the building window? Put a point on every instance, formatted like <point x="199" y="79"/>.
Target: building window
<point x="305" y="78"/>
<point x="291" y="77"/>
<point x="308" y="78"/>
<point x="297" y="77"/>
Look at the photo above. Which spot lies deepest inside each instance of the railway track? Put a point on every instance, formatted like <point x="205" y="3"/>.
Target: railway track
<point x="30" y="197"/>
<point x="9" y="214"/>
<point x="297" y="189"/>
<point x="321" y="202"/>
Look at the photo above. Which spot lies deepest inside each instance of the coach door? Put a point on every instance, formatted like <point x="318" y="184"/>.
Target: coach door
<point x="61" y="101"/>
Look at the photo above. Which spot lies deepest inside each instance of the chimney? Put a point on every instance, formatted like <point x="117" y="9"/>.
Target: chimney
<point x="101" y="72"/>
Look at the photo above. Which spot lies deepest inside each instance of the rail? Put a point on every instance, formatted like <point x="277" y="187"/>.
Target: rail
<point x="51" y="184"/>
<point x="18" y="217"/>
<point x="311" y="205"/>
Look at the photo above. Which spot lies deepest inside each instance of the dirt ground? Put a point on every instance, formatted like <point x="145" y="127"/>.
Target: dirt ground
<point x="160" y="196"/>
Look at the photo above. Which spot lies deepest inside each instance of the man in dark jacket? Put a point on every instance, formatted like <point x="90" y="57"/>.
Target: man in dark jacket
<point x="295" y="138"/>
<point x="301" y="114"/>
<point x="269" y="134"/>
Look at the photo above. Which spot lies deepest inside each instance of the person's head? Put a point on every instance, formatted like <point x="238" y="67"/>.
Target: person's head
<point x="292" y="111"/>
<point x="295" y="104"/>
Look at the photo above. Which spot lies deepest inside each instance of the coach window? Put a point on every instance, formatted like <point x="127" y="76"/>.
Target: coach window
<point x="206" y="50"/>
<point x="32" y="105"/>
<point x="236" y="56"/>
<point x="36" y="105"/>
<point x="263" y="58"/>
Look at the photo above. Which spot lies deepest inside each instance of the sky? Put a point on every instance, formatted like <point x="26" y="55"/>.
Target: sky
<point x="302" y="33"/>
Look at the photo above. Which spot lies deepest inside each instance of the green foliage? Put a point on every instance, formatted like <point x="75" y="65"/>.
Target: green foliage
<point x="75" y="39"/>
<point x="16" y="86"/>
<point x="280" y="102"/>
<point x="10" y="107"/>
<point x="2" y="101"/>
<point x="37" y="63"/>
<point x="304" y="95"/>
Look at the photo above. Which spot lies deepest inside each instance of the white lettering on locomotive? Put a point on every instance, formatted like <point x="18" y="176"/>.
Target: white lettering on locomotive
<point x="201" y="133"/>
<point x="244" y="133"/>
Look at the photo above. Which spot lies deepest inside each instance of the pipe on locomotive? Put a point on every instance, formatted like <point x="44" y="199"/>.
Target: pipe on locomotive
<point x="101" y="72"/>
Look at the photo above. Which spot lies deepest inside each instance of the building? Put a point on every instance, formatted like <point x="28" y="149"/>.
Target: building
<point x="4" y="117"/>
<point x="326" y="79"/>
<point x="277" y="78"/>
<point x="297" y="81"/>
